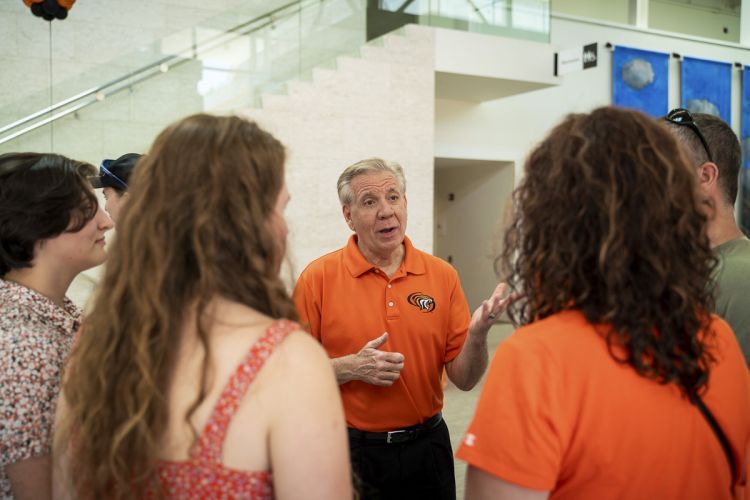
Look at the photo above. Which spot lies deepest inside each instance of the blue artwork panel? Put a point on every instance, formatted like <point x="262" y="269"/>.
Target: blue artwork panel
<point x="707" y="87"/>
<point x="639" y="80"/>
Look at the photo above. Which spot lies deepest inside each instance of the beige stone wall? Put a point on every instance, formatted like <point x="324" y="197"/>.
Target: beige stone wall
<point x="381" y="104"/>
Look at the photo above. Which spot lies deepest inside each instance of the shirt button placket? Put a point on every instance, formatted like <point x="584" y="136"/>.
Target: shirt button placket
<point x="391" y="310"/>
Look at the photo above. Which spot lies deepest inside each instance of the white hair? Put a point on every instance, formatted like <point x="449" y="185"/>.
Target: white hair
<point x="363" y="167"/>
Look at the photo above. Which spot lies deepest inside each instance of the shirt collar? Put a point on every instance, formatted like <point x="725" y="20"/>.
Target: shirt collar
<point x="357" y="265"/>
<point x="67" y="318"/>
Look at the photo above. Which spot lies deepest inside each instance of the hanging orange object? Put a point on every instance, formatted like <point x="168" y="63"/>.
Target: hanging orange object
<point x="50" y="9"/>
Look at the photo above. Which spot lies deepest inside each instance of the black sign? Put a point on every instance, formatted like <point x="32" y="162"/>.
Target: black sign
<point x="589" y="56"/>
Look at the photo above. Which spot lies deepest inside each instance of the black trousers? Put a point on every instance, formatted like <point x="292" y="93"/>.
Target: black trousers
<point x="418" y="469"/>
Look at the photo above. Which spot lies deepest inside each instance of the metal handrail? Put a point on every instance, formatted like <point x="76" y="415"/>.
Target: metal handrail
<point x="99" y="92"/>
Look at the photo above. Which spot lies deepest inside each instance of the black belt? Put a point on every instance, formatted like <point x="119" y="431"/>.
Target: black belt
<point x="400" y="435"/>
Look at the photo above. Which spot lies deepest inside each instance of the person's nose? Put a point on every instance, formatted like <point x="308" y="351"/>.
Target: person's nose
<point x="103" y="220"/>
<point x="385" y="210"/>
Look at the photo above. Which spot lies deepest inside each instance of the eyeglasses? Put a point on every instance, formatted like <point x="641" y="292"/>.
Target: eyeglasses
<point x="681" y="116"/>
<point x="103" y="170"/>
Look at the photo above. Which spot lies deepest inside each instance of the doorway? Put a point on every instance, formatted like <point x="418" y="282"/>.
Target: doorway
<point x="470" y="197"/>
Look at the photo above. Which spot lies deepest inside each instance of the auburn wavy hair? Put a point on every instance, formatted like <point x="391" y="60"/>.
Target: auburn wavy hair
<point x="196" y="227"/>
<point x="608" y="221"/>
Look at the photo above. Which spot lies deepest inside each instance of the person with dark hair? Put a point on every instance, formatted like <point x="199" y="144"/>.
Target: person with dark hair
<point x="715" y="154"/>
<point x="391" y="318"/>
<point x="113" y="178"/>
<point x="620" y="383"/>
<point x="51" y="229"/>
<point x="191" y="378"/>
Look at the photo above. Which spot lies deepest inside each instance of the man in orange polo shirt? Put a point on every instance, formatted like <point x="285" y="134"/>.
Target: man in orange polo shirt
<point x="391" y="318"/>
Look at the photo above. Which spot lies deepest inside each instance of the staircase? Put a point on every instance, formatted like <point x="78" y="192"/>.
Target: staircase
<point x="376" y="101"/>
<point x="378" y="104"/>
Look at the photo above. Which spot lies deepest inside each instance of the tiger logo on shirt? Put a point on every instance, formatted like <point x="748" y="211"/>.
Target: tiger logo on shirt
<point x="424" y="302"/>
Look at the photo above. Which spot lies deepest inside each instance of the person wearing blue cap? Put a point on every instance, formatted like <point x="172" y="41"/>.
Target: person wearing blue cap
<point x="113" y="179"/>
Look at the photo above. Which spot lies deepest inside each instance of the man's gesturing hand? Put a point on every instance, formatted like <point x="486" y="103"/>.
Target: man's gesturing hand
<point x="377" y="367"/>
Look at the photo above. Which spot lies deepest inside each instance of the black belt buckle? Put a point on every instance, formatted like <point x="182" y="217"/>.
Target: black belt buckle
<point x="398" y="436"/>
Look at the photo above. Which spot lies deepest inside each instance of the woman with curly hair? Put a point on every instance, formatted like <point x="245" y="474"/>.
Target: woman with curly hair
<point x="609" y="387"/>
<point x="190" y="379"/>
<point x="51" y="229"/>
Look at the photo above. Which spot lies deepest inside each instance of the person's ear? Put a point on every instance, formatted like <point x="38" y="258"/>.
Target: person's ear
<point x="347" y="216"/>
<point x="708" y="173"/>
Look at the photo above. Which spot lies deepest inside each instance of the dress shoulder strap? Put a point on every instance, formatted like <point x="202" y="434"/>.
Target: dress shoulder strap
<point x="211" y="442"/>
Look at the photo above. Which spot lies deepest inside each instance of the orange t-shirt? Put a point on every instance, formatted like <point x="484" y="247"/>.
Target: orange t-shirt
<point x="348" y="302"/>
<point x="559" y="414"/>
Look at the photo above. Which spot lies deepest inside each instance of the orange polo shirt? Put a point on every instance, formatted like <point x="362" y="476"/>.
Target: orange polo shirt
<point x="557" y="413"/>
<point x="348" y="302"/>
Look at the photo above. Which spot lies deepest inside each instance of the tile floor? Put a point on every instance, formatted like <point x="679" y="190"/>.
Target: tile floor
<point x="459" y="406"/>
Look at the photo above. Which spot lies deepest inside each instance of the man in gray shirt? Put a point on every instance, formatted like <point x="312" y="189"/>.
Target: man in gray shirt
<point x="713" y="149"/>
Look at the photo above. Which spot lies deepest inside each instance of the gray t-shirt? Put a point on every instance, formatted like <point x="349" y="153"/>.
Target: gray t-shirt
<point x="733" y="289"/>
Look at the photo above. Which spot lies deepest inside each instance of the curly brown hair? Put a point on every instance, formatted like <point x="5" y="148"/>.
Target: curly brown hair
<point x="196" y="227"/>
<point x="607" y="222"/>
<point x="41" y="196"/>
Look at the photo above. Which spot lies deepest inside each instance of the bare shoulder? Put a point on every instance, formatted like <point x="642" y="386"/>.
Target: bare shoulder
<point x="299" y="354"/>
<point x="300" y="342"/>
<point x="307" y="409"/>
<point x="300" y="367"/>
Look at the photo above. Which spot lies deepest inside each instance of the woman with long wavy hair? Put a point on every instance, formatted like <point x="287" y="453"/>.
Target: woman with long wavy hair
<point x="608" y="388"/>
<point x="189" y="378"/>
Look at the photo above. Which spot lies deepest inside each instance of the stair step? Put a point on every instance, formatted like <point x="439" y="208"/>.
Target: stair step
<point x="321" y="75"/>
<point x="371" y="63"/>
<point x="374" y="52"/>
<point x="299" y="88"/>
<point x="396" y="42"/>
<point x="347" y="63"/>
<point x="273" y="100"/>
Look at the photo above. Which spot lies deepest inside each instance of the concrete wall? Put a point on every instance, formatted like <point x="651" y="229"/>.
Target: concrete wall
<point x="706" y="18"/>
<point x="694" y="20"/>
<point x="616" y="11"/>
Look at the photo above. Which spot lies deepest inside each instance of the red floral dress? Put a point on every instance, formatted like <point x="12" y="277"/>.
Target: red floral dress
<point x="203" y="475"/>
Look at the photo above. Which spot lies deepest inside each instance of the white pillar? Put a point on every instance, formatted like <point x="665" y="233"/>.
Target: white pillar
<point x="745" y="22"/>
<point x="639" y="13"/>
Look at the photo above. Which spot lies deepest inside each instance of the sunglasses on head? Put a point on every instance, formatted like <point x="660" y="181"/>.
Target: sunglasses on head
<point x="681" y="116"/>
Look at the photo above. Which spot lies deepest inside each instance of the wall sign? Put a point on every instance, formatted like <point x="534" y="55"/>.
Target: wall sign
<point x="576" y="59"/>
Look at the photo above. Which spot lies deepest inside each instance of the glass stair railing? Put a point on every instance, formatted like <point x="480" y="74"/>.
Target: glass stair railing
<point x="227" y="64"/>
<point x="208" y="68"/>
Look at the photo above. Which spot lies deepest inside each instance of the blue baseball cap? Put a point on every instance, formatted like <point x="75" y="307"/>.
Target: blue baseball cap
<point x="115" y="173"/>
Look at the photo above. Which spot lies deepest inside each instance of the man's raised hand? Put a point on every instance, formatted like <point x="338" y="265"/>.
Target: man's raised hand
<point x="377" y="367"/>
